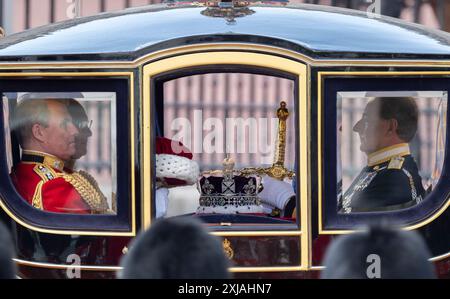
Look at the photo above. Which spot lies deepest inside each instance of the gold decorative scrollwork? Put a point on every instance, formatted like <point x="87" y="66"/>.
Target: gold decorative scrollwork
<point x="229" y="252"/>
<point x="89" y="190"/>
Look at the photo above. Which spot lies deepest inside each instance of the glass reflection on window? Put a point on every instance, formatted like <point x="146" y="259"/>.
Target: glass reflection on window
<point x="390" y="148"/>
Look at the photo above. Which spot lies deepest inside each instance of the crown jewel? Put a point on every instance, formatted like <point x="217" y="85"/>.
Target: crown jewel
<point x="228" y="192"/>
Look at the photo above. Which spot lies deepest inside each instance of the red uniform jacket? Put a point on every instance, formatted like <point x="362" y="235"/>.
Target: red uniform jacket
<point x="57" y="195"/>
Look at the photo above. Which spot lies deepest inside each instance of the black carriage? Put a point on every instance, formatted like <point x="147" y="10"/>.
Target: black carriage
<point x="129" y="69"/>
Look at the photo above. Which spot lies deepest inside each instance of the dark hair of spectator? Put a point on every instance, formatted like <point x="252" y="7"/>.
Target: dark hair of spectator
<point x="175" y="248"/>
<point x="402" y="255"/>
<point x="7" y="253"/>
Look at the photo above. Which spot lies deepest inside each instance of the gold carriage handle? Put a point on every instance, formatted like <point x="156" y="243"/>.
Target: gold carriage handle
<point x="277" y="170"/>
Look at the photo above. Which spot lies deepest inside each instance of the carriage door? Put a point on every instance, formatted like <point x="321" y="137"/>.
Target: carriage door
<point x="227" y="105"/>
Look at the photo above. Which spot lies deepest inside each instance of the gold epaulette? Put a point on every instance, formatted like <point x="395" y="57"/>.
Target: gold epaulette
<point x="46" y="174"/>
<point x="396" y="162"/>
<point x="89" y="190"/>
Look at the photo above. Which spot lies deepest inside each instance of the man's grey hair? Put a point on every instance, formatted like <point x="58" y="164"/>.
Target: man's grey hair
<point x="28" y="113"/>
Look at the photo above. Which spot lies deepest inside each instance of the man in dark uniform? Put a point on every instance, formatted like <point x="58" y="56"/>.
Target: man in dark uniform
<point x="391" y="179"/>
<point x="47" y="136"/>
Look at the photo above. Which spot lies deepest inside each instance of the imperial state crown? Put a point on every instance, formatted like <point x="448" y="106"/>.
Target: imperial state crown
<point x="228" y="192"/>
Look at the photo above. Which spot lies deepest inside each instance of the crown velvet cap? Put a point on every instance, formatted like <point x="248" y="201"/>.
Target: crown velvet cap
<point x="174" y="164"/>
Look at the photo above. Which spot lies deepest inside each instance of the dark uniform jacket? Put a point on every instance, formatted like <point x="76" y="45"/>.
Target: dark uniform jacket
<point x="390" y="182"/>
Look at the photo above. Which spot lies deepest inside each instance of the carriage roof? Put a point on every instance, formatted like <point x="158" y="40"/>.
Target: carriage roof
<point x="318" y="31"/>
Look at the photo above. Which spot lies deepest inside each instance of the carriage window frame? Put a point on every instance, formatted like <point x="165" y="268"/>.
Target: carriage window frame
<point x="329" y="88"/>
<point x="157" y="100"/>
<point x="123" y="222"/>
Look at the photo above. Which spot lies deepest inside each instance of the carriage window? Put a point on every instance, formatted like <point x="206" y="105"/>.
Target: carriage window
<point x="238" y="129"/>
<point x="59" y="149"/>
<point x="390" y="148"/>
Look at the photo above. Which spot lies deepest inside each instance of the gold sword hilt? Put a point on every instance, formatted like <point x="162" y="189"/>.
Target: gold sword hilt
<point x="277" y="170"/>
<point x="282" y="114"/>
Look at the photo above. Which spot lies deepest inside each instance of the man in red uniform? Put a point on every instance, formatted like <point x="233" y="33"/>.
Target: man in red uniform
<point x="47" y="136"/>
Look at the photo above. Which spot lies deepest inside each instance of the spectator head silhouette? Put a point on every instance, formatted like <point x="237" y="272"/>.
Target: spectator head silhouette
<point x="175" y="248"/>
<point x="7" y="253"/>
<point x="379" y="252"/>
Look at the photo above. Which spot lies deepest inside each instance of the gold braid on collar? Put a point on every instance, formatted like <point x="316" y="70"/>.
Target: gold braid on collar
<point x="89" y="190"/>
